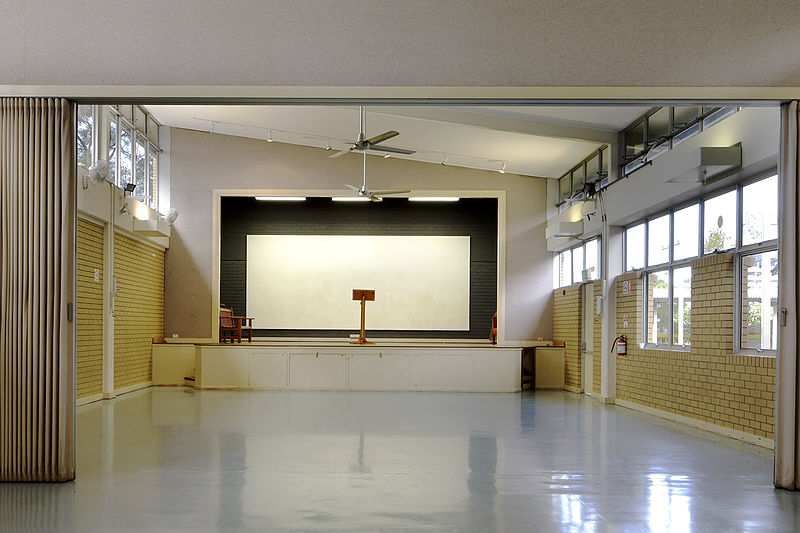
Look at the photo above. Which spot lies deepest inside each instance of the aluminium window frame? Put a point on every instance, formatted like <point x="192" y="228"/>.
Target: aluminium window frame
<point x="570" y="250"/>
<point x="142" y="137"/>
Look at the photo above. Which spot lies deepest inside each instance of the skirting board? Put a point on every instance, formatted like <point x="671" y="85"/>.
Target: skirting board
<point x="129" y="388"/>
<point x="699" y="424"/>
<point x="88" y="399"/>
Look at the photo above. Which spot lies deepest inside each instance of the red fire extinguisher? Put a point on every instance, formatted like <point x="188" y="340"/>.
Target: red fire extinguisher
<point x="622" y="345"/>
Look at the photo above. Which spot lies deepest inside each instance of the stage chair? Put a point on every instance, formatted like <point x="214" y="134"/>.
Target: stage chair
<point x="230" y="327"/>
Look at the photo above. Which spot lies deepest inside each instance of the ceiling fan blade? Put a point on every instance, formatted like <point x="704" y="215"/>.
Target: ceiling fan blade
<point x="388" y="193"/>
<point x="382" y="137"/>
<point x="351" y="187"/>
<point x="393" y="150"/>
<point x="340" y="153"/>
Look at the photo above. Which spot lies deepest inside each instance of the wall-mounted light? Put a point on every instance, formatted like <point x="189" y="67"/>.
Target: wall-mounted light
<point x="129" y="188"/>
<point x="280" y="198"/>
<point x="433" y="199"/>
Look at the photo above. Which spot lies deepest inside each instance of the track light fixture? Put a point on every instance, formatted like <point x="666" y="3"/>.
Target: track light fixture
<point x="328" y="146"/>
<point x="503" y="168"/>
<point x="211" y="128"/>
<point x="387" y="156"/>
<point x="444" y="161"/>
<point x="269" y="137"/>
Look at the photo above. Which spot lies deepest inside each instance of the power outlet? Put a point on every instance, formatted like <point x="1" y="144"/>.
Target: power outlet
<point x="174" y="335"/>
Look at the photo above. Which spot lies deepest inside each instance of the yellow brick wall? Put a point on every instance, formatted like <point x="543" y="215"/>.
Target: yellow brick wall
<point x="598" y="340"/>
<point x="567" y="328"/>
<point x="709" y="382"/>
<point x="138" y="309"/>
<point x="89" y="309"/>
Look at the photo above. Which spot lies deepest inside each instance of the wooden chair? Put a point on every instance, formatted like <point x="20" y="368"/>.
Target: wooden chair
<point x="231" y="326"/>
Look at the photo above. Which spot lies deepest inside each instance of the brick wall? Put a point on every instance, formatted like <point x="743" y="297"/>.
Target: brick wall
<point x="89" y="309"/>
<point x="567" y="328"/>
<point x="709" y="382"/>
<point x="138" y="309"/>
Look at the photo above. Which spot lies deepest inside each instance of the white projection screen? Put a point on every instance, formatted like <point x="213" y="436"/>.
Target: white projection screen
<point x="307" y="281"/>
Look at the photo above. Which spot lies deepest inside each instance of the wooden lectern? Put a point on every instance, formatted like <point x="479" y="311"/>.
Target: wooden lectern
<point x="364" y="295"/>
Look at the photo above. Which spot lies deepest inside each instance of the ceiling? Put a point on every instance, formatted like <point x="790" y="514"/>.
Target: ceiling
<point x="530" y="141"/>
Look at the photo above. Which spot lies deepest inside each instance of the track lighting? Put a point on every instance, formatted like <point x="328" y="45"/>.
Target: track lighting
<point x="503" y="168"/>
<point x="211" y="128"/>
<point x="328" y="146"/>
<point x="387" y="156"/>
<point x="269" y="137"/>
<point x="444" y="161"/>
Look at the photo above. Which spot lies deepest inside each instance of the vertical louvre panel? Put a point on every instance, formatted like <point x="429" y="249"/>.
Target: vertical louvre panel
<point x="138" y="309"/>
<point x="89" y="309"/>
<point x="37" y="221"/>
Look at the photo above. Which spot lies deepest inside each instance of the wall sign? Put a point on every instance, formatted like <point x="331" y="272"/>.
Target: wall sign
<point x="624" y="321"/>
<point x="626" y="287"/>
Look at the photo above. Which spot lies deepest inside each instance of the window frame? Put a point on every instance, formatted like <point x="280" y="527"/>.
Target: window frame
<point x="115" y="114"/>
<point x="570" y="251"/>
<point x="738" y="250"/>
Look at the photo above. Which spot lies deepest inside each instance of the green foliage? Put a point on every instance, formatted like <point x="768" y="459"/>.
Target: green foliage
<point x="715" y="241"/>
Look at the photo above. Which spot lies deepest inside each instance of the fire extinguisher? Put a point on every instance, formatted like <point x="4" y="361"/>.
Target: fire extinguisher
<point x="622" y="345"/>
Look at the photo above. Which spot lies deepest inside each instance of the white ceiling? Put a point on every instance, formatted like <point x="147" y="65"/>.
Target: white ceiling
<point x="520" y="136"/>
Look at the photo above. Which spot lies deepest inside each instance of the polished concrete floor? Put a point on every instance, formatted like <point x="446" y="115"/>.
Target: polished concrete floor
<point x="171" y="459"/>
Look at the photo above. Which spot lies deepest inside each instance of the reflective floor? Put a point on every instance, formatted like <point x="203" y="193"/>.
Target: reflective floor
<point x="171" y="459"/>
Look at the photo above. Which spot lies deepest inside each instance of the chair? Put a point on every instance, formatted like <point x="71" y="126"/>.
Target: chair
<point x="231" y="326"/>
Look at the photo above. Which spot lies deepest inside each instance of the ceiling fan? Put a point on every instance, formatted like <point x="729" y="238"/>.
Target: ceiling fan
<point x="363" y="191"/>
<point x="364" y="144"/>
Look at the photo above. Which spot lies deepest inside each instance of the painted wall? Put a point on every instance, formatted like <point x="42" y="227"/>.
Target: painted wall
<point x="202" y="162"/>
<point x="401" y="43"/>
<point x="89" y="309"/>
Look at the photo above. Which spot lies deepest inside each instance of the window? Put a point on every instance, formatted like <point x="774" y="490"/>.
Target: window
<point x="719" y="223"/>
<point x="634" y="247"/>
<point x="744" y="220"/>
<point x="592" y="169"/>
<point x="759" y="300"/>
<point x="663" y="128"/>
<point x="133" y="151"/>
<point x="86" y="135"/>
<point x="577" y="264"/>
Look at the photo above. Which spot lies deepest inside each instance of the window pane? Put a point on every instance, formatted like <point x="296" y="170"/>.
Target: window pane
<point x="556" y="273"/>
<point x="719" y="223"/>
<point x="658" y="125"/>
<point x="686" y="228"/>
<point x="685" y="115"/>
<point x="658" y="307"/>
<point x="577" y="264"/>
<point x="685" y="134"/>
<point x="718" y="116"/>
<point x="760" y="300"/>
<point x="604" y="155"/>
<point x="152" y="177"/>
<point x="681" y="306"/>
<point x="592" y="168"/>
<point x="139" y="119"/>
<point x="760" y="211"/>
<point x="564" y="188"/>
<point x="112" y="150"/>
<point x="591" y="259"/>
<point x="577" y="179"/>
<point x="85" y="135"/>
<point x="152" y="130"/>
<point x="141" y="169"/>
<point x="634" y="140"/>
<point x="658" y="240"/>
<point x="125" y="156"/>
<point x="565" y="268"/>
<point x="634" y="247"/>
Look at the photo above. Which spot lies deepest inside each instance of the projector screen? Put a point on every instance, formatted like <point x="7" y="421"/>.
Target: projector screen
<point x="307" y="281"/>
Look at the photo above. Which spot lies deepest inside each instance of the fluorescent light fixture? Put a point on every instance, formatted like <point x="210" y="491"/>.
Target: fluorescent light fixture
<point x="281" y="198"/>
<point x="433" y="199"/>
<point x="350" y="199"/>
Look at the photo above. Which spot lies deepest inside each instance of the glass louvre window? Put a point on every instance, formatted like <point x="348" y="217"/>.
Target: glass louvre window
<point x="688" y="133"/>
<point x="658" y="126"/>
<point x="681" y="306"/>
<point x="565" y="268"/>
<point x="152" y="177"/>
<point x="141" y="170"/>
<point x="112" y="150"/>
<point x="658" y="240"/>
<point x="719" y="222"/>
<point x="634" y="247"/>
<point x="85" y="135"/>
<point x="125" y="156"/>
<point x="591" y="257"/>
<point x="578" y="179"/>
<point x="634" y="139"/>
<point x="658" y="304"/>
<point x="759" y="301"/>
<point x="683" y="116"/>
<point x="592" y="168"/>
<point x="685" y="232"/>
<point x="760" y="211"/>
<point x="564" y="188"/>
<point x="577" y="264"/>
